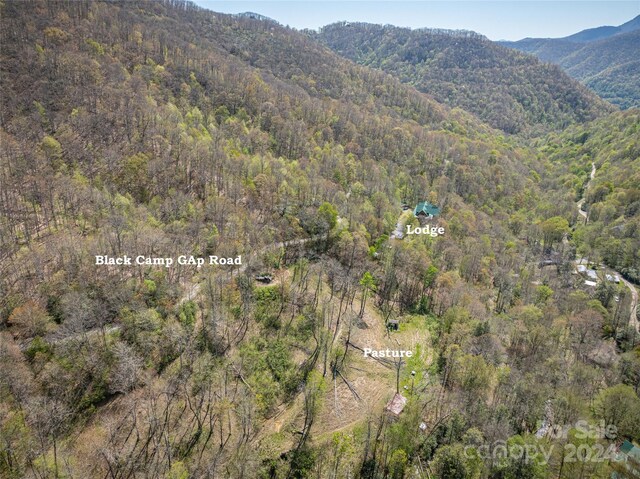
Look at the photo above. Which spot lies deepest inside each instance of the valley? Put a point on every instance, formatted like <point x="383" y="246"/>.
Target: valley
<point x="581" y="55"/>
<point x="633" y="307"/>
<point x="231" y="248"/>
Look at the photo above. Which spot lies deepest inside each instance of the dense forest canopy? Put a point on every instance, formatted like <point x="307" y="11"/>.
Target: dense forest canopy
<point x="160" y="129"/>
<point x="605" y="59"/>
<point x="612" y="200"/>
<point x="508" y="90"/>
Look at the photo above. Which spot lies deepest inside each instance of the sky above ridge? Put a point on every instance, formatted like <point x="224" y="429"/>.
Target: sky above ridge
<point x="498" y="20"/>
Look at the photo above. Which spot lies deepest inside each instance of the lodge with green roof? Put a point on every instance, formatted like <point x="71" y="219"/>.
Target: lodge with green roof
<point x="426" y="209"/>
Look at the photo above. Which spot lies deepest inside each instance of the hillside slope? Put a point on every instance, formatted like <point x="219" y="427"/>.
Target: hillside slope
<point x="612" y="198"/>
<point x="510" y="91"/>
<point x="610" y="67"/>
<point x="162" y="131"/>
<point x="604" y="59"/>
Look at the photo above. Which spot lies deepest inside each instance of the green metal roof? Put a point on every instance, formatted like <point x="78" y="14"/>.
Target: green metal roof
<point x="426" y="208"/>
<point x="630" y="450"/>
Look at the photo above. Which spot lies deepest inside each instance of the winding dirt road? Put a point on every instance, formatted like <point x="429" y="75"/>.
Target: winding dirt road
<point x="633" y="319"/>
<point x="579" y="203"/>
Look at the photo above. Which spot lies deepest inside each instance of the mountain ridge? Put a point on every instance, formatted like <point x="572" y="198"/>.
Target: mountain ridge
<point x="512" y="92"/>
<point x="603" y="58"/>
<point x="159" y="129"/>
<point x="599" y="33"/>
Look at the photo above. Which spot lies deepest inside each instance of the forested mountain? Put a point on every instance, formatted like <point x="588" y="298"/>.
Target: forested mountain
<point x="605" y="59"/>
<point x="510" y="91"/>
<point x="599" y="33"/>
<point x="160" y="130"/>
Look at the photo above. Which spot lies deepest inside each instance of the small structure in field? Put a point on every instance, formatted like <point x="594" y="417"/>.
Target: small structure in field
<point x="393" y="325"/>
<point x="396" y="405"/>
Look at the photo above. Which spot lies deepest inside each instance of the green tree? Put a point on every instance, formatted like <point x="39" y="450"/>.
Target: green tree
<point x="543" y="293"/>
<point x="52" y="150"/>
<point x="398" y="464"/>
<point x="619" y="406"/>
<point x="368" y="283"/>
<point x="328" y="216"/>
<point x="518" y="464"/>
<point x="456" y="462"/>
<point x="554" y="229"/>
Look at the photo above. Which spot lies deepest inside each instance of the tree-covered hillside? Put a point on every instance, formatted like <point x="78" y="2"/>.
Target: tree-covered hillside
<point x="162" y="130"/>
<point x="605" y="59"/>
<point x="610" y="230"/>
<point x="513" y="92"/>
